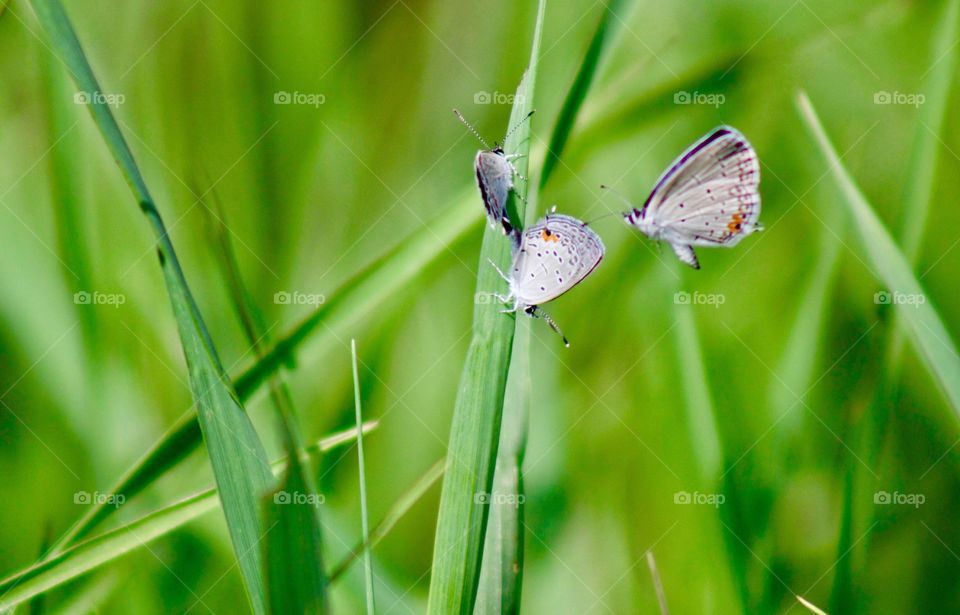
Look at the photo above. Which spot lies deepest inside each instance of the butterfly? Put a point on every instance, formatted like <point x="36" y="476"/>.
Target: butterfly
<point x="553" y="256"/>
<point x="495" y="172"/>
<point x="708" y="197"/>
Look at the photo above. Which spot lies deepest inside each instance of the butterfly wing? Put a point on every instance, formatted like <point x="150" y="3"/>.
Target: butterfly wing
<point x="555" y="255"/>
<point x="495" y="179"/>
<point x="710" y="195"/>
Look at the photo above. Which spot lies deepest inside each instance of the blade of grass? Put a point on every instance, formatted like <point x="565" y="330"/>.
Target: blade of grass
<point x="928" y="333"/>
<point x="606" y="31"/>
<point x="292" y="549"/>
<point x="103" y="548"/>
<point x="657" y="583"/>
<point x="238" y="458"/>
<point x="475" y="430"/>
<point x="367" y="561"/>
<point x="357" y="300"/>
<point x="393" y="516"/>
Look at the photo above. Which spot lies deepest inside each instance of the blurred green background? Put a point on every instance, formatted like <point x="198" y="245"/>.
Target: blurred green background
<point x="325" y="133"/>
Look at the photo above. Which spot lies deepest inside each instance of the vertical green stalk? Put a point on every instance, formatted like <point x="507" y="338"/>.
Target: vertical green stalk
<point x="475" y="431"/>
<point x="367" y="560"/>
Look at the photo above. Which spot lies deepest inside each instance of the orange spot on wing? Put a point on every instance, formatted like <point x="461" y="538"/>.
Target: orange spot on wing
<point x="735" y="223"/>
<point x="546" y="235"/>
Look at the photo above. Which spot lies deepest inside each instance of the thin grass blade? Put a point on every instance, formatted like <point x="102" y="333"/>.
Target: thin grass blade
<point x="107" y="547"/>
<point x="603" y="36"/>
<point x="367" y="559"/>
<point x="927" y="330"/>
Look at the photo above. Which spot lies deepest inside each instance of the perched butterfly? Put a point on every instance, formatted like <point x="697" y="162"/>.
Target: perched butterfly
<point x="495" y="173"/>
<point x="708" y="197"/>
<point x="554" y="255"/>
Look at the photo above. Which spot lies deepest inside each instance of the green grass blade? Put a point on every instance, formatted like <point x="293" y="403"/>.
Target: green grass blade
<point x="926" y="154"/>
<point x="358" y="299"/>
<point x="393" y="516"/>
<point x="238" y="458"/>
<point x="605" y="32"/>
<point x="293" y="546"/>
<point x="501" y="576"/>
<point x="107" y="547"/>
<point x="704" y="436"/>
<point x="367" y="560"/>
<point x="475" y="432"/>
<point x="928" y="333"/>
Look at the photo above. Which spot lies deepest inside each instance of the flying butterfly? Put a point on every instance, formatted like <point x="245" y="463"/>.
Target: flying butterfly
<point x="708" y="197"/>
<point x="553" y="256"/>
<point x="495" y="173"/>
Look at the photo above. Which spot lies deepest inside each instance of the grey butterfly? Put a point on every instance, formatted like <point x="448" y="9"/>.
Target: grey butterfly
<point x="708" y="197"/>
<point x="553" y="256"/>
<point x="495" y="173"/>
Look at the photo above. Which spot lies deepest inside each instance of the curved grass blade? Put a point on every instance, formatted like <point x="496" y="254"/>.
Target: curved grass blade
<point x="358" y="299"/>
<point x="104" y="548"/>
<point x="927" y="331"/>
<point x="602" y="37"/>
<point x="238" y="458"/>
<point x="475" y="432"/>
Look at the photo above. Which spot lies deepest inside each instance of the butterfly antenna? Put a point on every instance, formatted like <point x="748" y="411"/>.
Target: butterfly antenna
<point x="539" y="313"/>
<point x="601" y="217"/>
<point x="517" y="125"/>
<point x="620" y="196"/>
<point x="471" y="128"/>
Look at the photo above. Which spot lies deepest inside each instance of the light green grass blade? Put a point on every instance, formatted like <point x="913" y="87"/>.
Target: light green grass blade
<point x="927" y="331"/>
<point x="367" y="560"/>
<point x="606" y="31"/>
<point x="475" y="432"/>
<point x="926" y="154"/>
<point x="358" y="299"/>
<point x="238" y="458"/>
<point x="704" y="437"/>
<point x="393" y="516"/>
<point x="107" y="547"/>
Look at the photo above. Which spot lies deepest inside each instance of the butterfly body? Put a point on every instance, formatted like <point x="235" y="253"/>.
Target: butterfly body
<point x="495" y="173"/>
<point x="553" y="256"/>
<point x="708" y="197"/>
